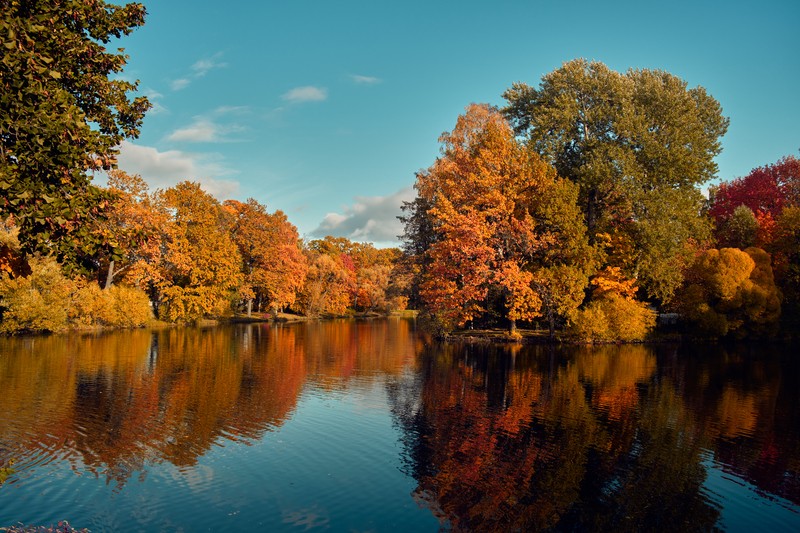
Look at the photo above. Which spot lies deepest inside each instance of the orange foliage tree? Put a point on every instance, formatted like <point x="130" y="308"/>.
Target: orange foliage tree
<point x="489" y="198"/>
<point x="273" y="264"/>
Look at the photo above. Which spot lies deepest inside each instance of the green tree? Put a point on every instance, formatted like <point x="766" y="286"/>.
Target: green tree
<point x="638" y="145"/>
<point x="739" y="230"/>
<point x="63" y="112"/>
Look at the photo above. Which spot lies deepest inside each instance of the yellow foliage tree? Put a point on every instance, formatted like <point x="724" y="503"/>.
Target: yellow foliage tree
<point x="731" y="292"/>
<point x="37" y="302"/>
<point x="202" y="263"/>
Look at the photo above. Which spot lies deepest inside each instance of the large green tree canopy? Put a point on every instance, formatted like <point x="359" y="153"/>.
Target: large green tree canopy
<point x="62" y="113"/>
<point x="639" y="145"/>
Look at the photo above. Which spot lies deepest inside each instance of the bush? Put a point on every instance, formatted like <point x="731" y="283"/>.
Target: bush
<point x="613" y="317"/>
<point x="117" y="307"/>
<point x="36" y="302"/>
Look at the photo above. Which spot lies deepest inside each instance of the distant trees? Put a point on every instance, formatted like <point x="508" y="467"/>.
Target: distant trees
<point x="346" y="275"/>
<point x="763" y="209"/>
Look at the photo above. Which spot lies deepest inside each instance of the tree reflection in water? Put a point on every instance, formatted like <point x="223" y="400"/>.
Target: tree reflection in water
<point x="609" y="438"/>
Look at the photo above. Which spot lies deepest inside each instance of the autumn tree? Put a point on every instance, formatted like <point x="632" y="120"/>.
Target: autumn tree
<point x="327" y="287"/>
<point x="730" y="292"/>
<point x="202" y="265"/>
<point x="489" y="199"/>
<point x="765" y="191"/>
<point x="64" y="110"/>
<point x="273" y="264"/>
<point x="638" y="145"/>
<point x="134" y="226"/>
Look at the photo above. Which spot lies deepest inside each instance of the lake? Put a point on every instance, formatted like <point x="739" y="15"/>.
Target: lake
<point x="372" y="426"/>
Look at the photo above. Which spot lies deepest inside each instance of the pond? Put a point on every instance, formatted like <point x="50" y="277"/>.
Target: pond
<point x="370" y="425"/>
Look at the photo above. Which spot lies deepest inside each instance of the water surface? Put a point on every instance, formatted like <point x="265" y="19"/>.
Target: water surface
<point x="370" y="426"/>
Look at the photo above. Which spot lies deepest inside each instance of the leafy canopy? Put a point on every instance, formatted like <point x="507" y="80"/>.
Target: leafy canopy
<point x="63" y="112"/>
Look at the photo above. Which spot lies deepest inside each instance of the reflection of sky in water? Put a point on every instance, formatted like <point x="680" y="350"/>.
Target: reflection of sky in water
<point x="743" y="506"/>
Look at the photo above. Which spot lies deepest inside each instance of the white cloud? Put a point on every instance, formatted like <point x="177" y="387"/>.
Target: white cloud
<point x="199" y="131"/>
<point x="369" y="219"/>
<point x="165" y="169"/>
<point x="180" y="83"/>
<point x="155" y="100"/>
<point x="306" y="94"/>
<point x="204" y="130"/>
<point x="365" y="80"/>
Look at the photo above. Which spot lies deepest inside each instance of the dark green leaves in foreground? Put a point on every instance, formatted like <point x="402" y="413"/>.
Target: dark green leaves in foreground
<point x="62" y="114"/>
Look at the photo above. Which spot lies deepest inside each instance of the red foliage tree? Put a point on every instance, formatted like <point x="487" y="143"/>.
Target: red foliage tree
<point x="766" y="191"/>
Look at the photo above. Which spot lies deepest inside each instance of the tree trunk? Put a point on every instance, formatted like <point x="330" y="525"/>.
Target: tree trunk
<point x="109" y="275"/>
<point x="512" y="326"/>
<point x="552" y="322"/>
<point x="249" y="307"/>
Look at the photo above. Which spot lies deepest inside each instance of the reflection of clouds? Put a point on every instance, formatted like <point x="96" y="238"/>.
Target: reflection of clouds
<point x="198" y="478"/>
<point x="310" y="518"/>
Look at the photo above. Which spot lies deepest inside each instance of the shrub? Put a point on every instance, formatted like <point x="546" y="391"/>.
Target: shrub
<point x="37" y="302"/>
<point x="118" y="306"/>
<point x="613" y="317"/>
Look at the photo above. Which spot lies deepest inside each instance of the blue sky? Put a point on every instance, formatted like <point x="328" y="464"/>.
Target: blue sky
<point x="325" y="110"/>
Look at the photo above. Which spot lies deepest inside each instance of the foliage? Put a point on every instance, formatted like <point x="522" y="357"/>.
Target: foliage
<point x="64" y="111"/>
<point x="637" y="144"/>
<point x="328" y="285"/>
<point x="730" y="292"/>
<point x="12" y="261"/>
<point x="613" y="314"/>
<point x="134" y="226"/>
<point x="201" y="263"/>
<point x="739" y="230"/>
<point x="786" y="260"/>
<point x="766" y="191"/>
<point x="37" y="302"/>
<point x="273" y="264"/>
<point x="118" y="306"/>
<point x="495" y="214"/>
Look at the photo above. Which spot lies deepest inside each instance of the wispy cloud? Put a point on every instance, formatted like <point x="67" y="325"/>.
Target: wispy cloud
<point x="180" y="83"/>
<point x="203" y="66"/>
<point x="199" y="69"/>
<point x="369" y="219"/>
<point x="155" y="100"/>
<point x="165" y="169"/>
<point x="306" y="94"/>
<point x="365" y="80"/>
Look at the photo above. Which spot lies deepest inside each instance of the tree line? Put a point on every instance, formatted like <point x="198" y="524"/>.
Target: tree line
<point x="577" y="207"/>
